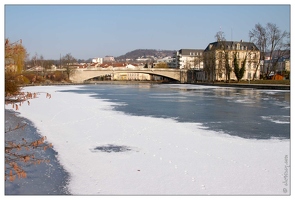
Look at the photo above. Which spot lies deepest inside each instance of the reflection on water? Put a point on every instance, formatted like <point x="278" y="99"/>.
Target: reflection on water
<point x="247" y="113"/>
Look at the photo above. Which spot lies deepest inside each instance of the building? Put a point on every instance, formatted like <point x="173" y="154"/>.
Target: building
<point x="169" y="61"/>
<point x="109" y="59"/>
<point x="97" y="60"/>
<point x="277" y="66"/>
<point x="131" y="77"/>
<point x="279" y="63"/>
<point x="219" y="60"/>
<point x="189" y="59"/>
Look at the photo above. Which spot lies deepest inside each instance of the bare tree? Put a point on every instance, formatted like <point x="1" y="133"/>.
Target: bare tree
<point x="270" y="39"/>
<point x="228" y="68"/>
<point x="198" y="60"/>
<point x="68" y="60"/>
<point x="187" y="64"/>
<point x="35" y="60"/>
<point x="38" y="61"/>
<point x="220" y="36"/>
<point x="19" y="153"/>
<point x="276" y="44"/>
<point x="258" y="36"/>
<point x="223" y="56"/>
<point x="209" y="66"/>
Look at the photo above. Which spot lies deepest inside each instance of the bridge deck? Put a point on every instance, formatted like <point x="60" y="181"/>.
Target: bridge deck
<point x="80" y="75"/>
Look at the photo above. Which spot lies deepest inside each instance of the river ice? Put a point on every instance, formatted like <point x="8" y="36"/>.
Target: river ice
<point x="107" y="152"/>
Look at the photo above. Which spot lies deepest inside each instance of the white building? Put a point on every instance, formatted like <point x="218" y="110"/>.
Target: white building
<point x="189" y="59"/>
<point x="97" y="60"/>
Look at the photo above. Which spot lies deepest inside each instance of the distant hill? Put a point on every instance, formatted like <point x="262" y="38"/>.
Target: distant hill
<point x="145" y="53"/>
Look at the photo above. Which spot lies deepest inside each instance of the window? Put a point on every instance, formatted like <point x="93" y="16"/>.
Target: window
<point x="238" y="46"/>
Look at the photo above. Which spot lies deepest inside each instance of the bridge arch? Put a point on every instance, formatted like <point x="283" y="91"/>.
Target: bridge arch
<point x="81" y="75"/>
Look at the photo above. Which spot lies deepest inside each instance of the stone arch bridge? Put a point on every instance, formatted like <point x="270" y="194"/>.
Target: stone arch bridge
<point x="81" y="75"/>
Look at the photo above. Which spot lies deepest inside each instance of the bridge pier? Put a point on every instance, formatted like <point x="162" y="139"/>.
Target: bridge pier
<point x="187" y="76"/>
<point x="183" y="76"/>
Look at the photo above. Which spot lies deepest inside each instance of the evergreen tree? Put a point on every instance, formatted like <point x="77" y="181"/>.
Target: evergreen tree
<point x="239" y="72"/>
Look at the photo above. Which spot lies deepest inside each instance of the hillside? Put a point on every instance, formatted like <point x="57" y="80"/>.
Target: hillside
<point x="145" y="53"/>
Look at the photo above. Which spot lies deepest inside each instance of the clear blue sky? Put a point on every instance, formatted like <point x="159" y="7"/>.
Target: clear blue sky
<point x="88" y="31"/>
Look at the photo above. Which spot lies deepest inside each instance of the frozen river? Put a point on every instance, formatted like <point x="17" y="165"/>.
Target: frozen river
<point x="148" y="139"/>
<point x="246" y="113"/>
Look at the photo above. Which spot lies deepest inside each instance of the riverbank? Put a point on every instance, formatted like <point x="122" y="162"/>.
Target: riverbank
<point x="43" y="179"/>
<point x="221" y="84"/>
<point x="254" y="86"/>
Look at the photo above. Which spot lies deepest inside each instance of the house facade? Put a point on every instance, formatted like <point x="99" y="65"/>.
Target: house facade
<point x="219" y="60"/>
<point x="189" y="59"/>
<point x="276" y="65"/>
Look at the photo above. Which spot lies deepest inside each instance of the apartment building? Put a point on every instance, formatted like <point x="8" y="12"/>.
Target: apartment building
<point x="189" y="59"/>
<point x="219" y="57"/>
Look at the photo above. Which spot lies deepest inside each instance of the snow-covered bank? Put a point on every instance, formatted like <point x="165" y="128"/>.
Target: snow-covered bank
<point x="43" y="179"/>
<point x="108" y="152"/>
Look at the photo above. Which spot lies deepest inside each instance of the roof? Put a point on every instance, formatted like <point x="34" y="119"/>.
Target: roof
<point x="281" y="53"/>
<point x="230" y="44"/>
<point x="188" y="51"/>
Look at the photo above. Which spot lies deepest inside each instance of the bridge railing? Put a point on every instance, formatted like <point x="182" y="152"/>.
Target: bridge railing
<point x="129" y="69"/>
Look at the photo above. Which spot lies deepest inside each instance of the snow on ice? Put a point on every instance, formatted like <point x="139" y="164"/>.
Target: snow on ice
<point x="111" y="153"/>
